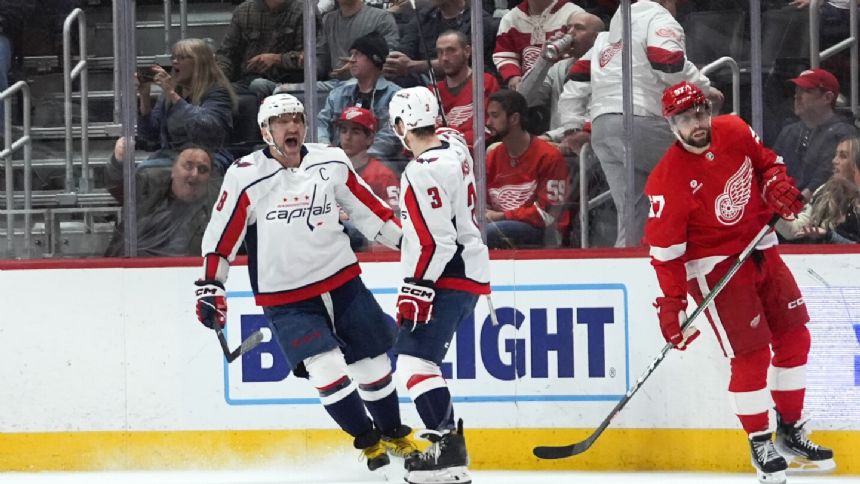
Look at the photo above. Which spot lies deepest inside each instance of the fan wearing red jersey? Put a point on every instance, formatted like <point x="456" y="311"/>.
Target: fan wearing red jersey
<point x="357" y="127"/>
<point x="710" y="194"/>
<point x="527" y="179"/>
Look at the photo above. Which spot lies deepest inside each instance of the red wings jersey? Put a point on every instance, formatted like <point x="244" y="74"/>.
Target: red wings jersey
<point x="289" y="220"/>
<point x="706" y="207"/>
<point x="529" y="189"/>
<point x="382" y="180"/>
<point x="459" y="109"/>
<point x="441" y="241"/>
<point x="521" y="36"/>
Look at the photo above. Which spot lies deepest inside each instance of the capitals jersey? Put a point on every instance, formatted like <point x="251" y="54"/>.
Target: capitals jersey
<point x="441" y="240"/>
<point x="532" y="188"/>
<point x="707" y="207"/>
<point x="289" y="221"/>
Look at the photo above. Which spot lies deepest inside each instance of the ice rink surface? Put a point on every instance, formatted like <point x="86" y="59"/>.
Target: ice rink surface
<point x="306" y="476"/>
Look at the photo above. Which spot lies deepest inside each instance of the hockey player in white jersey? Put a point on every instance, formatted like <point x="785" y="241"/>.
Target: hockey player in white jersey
<point x="282" y="202"/>
<point x="445" y="266"/>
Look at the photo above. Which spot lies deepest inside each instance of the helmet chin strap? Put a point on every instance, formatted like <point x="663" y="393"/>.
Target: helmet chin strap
<point x="688" y="147"/>
<point x="270" y="140"/>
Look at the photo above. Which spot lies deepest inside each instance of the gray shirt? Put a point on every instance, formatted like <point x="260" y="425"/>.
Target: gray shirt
<point x="542" y="86"/>
<point x="338" y="33"/>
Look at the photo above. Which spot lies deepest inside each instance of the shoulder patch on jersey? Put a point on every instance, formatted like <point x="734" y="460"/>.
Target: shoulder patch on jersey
<point x="427" y="159"/>
<point x="668" y="32"/>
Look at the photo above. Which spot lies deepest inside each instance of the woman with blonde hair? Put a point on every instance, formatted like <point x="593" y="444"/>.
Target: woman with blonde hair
<point x="196" y="104"/>
<point x="833" y="213"/>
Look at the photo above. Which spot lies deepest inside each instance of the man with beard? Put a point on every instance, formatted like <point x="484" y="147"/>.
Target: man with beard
<point x="527" y="179"/>
<point x="282" y="202"/>
<point x="710" y="194"/>
<point x="454" y="54"/>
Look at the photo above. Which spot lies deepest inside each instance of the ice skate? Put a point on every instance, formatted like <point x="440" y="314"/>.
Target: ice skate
<point x="400" y="443"/>
<point x="445" y="462"/>
<point x="769" y="465"/>
<point x="803" y="456"/>
<point x="372" y="449"/>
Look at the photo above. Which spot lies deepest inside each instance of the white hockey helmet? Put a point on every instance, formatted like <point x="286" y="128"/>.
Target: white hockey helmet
<point x="415" y="106"/>
<point x="276" y="105"/>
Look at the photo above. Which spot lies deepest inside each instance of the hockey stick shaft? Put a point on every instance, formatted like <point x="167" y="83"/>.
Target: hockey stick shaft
<point x="559" y="452"/>
<point x="250" y="343"/>
<point x="430" y="70"/>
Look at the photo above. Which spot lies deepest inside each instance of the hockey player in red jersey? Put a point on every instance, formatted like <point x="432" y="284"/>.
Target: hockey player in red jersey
<point x="282" y="202"/>
<point x="710" y="194"/>
<point x="445" y="266"/>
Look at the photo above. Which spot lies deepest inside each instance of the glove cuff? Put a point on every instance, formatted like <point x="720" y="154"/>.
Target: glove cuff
<point x="671" y="304"/>
<point x="420" y="282"/>
<point x="209" y="282"/>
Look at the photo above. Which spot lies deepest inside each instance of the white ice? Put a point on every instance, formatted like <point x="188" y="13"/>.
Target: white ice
<point x="333" y="476"/>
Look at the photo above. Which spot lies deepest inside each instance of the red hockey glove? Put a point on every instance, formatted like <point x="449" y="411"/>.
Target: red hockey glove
<point x="780" y="193"/>
<point x="211" y="303"/>
<point x="415" y="301"/>
<point x="672" y="314"/>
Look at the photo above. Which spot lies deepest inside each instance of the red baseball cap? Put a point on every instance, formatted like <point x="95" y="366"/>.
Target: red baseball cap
<point x="359" y="116"/>
<point x="817" y="79"/>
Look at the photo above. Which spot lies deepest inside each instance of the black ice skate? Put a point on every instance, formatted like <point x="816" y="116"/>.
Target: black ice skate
<point x="445" y="462"/>
<point x="803" y="455"/>
<point x="769" y="465"/>
<point x="371" y="447"/>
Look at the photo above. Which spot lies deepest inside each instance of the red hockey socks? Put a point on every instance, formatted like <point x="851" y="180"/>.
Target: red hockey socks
<point x="748" y="389"/>
<point x="788" y="372"/>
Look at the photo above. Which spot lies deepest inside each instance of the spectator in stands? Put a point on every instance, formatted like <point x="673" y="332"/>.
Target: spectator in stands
<point x="807" y="145"/>
<point x="522" y="33"/>
<point x="438" y="17"/>
<point x="527" y="180"/>
<point x="593" y="91"/>
<point x="195" y="106"/>
<point x="357" y="127"/>
<point x="833" y="214"/>
<point x="834" y="26"/>
<point x="455" y="90"/>
<point x="263" y="46"/>
<point x="340" y="28"/>
<point x="172" y="205"/>
<point x="544" y="83"/>
<point x="368" y="90"/>
<point x="13" y="16"/>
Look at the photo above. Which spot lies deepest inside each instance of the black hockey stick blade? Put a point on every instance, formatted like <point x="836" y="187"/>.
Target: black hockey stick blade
<point x="250" y="343"/>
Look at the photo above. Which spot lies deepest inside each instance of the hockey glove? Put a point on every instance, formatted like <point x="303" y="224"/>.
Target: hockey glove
<point x="672" y="314"/>
<point x="780" y="193"/>
<point x="211" y="303"/>
<point x="415" y="301"/>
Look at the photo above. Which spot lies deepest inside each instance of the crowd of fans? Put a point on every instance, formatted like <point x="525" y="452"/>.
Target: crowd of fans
<point x="552" y="83"/>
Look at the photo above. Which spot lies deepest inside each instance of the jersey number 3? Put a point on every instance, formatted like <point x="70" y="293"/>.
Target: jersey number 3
<point x="435" y="199"/>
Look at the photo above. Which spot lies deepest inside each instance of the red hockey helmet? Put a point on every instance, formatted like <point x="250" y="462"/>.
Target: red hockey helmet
<point x="681" y="97"/>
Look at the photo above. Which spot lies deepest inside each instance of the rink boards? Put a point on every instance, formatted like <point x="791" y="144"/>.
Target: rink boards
<point x="105" y="367"/>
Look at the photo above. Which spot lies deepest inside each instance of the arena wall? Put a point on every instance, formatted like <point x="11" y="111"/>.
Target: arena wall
<point x="103" y="366"/>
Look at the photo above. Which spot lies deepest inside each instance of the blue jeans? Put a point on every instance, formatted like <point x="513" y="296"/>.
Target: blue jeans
<point x="5" y="67"/>
<point x="512" y="234"/>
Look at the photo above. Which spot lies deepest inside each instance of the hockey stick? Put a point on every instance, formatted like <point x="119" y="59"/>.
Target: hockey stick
<point x="250" y="343"/>
<point x="429" y="65"/>
<point x="559" y="452"/>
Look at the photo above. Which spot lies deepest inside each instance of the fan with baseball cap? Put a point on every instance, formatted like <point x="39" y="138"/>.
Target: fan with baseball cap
<point x="360" y="116"/>
<point x="817" y="79"/>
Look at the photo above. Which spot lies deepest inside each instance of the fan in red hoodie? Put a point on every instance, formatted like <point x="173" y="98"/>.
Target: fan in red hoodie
<point x="527" y="179"/>
<point x="710" y="194"/>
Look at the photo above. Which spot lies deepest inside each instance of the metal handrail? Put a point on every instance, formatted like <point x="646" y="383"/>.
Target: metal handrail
<point x="115" y="31"/>
<point x="25" y="142"/>
<point x="816" y="55"/>
<point x="168" y="22"/>
<point x="69" y="74"/>
<point x="736" y="79"/>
